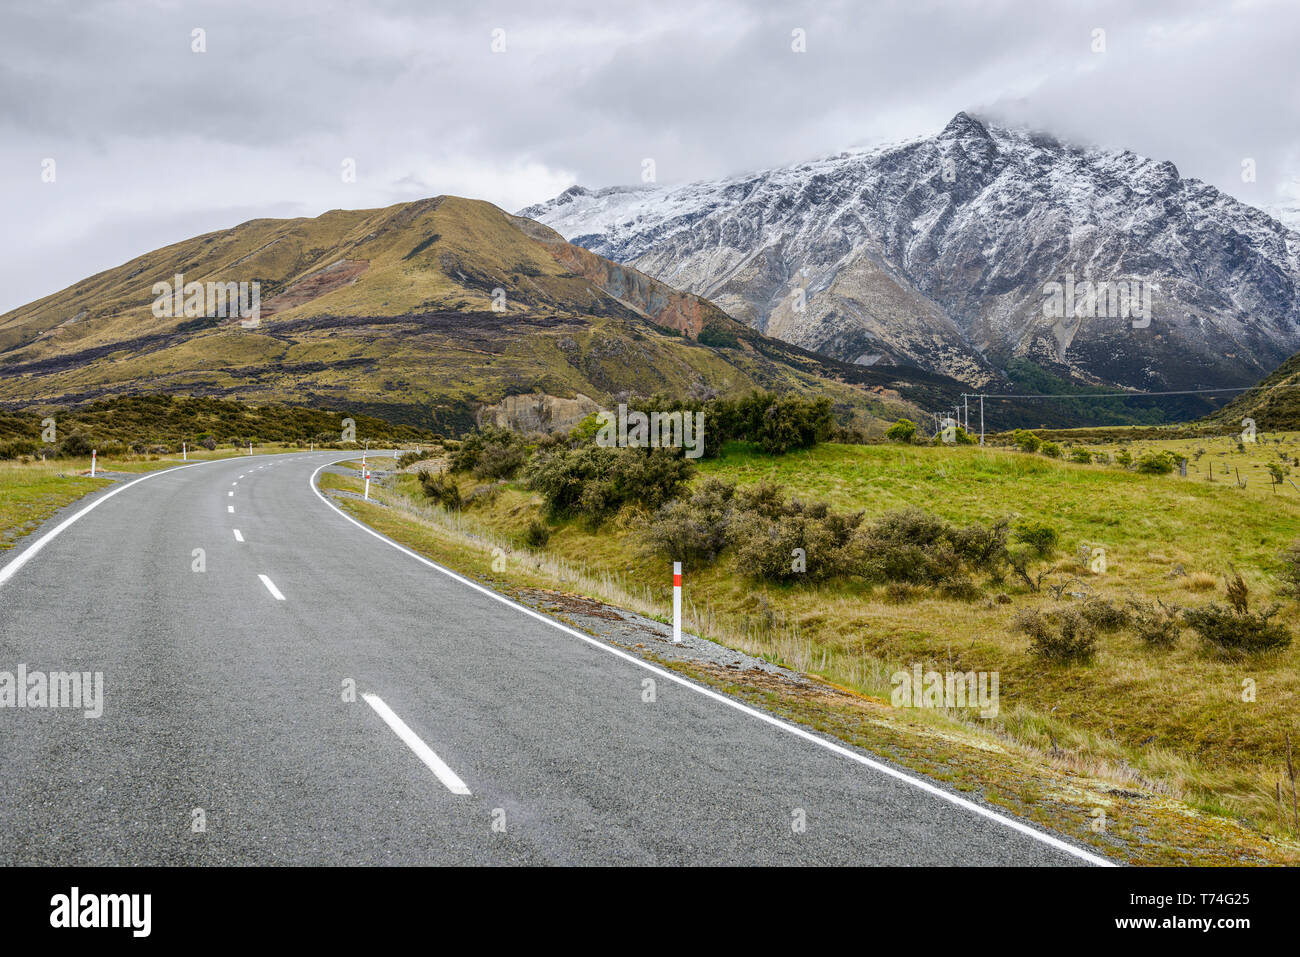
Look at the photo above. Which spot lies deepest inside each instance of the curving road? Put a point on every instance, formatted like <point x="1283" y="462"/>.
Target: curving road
<point x="480" y="733"/>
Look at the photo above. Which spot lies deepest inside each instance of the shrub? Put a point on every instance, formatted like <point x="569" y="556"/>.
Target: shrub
<point x="409" y="458"/>
<point x="983" y="547"/>
<point x="1124" y="457"/>
<point x="909" y="546"/>
<point x="596" y="481"/>
<point x="1039" y="536"/>
<point x="1104" y="614"/>
<point x="536" y="535"/>
<point x="904" y="430"/>
<point x="1026" y="441"/>
<point x="1082" y="456"/>
<point x="691" y="531"/>
<point x="1234" y="633"/>
<point x="1156" y="624"/>
<point x="499" y="461"/>
<point x="1063" y="636"/>
<point x="779" y="541"/>
<point x="440" y="487"/>
<point x="765" y="548"/>
<point x="1051" y="450"/>
<point x="209" y="443"/>
<point x="792" y="422"/>
<point x="76" y="445"/>
<point x="503" y="450"/>
<point x="1290" y="570"/>
<point x="18" y="447"/>
<point x="1156" y="463"/>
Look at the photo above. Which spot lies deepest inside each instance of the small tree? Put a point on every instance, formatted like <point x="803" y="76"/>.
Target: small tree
<point x="1026" y="441"/>
<point x="904" y="430"/>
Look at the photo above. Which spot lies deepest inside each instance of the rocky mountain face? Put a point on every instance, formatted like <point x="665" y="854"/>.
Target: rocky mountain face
<point x="973" y="253"/>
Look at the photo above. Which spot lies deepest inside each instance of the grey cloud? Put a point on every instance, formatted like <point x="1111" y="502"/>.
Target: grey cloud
<point x="585" y="90"/>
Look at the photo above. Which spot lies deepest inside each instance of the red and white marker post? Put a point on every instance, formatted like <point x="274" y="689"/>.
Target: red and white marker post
<point x="367" y="495"/>
<point x="677" y="603"/>
<point x="94" y="454"/>
<point x="185" y="452"/>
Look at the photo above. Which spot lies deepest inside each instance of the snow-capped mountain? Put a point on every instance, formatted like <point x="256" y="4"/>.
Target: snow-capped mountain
<point x="966" y="250"/>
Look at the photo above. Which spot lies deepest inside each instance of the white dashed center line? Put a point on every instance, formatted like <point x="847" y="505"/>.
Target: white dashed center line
<point x="270" y="586"/>
<point x="435" y="764"/>
<point x="230" y="509"/>
<point x="238" y="536"/>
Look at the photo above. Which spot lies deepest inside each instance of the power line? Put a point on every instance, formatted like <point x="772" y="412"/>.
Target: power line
<point x="1127" y="395"/>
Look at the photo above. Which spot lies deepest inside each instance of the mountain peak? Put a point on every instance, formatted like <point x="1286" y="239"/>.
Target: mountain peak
<point x="962" y="126"/>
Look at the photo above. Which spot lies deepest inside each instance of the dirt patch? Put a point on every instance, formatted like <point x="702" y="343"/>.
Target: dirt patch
<point x="336" y="275"/>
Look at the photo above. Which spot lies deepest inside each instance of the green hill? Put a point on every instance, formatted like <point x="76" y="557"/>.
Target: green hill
<point x="420" y="313"/>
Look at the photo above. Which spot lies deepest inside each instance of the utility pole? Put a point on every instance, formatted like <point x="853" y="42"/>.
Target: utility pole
<point x="981" y="418"/>
<point x="966" y="402"/>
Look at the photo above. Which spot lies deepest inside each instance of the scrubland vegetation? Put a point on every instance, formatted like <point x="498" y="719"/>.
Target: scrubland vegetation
<point x="1138" y="618"/>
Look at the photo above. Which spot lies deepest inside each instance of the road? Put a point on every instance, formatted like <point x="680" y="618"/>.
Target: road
<point x="479" y="733"/>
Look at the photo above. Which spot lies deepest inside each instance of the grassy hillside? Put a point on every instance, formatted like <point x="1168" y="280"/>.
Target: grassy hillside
<point x="392" y="313"/>
<point x="1273" y="404"/>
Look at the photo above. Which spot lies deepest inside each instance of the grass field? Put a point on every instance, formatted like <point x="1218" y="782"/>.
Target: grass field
<point x="1181" y="723"/>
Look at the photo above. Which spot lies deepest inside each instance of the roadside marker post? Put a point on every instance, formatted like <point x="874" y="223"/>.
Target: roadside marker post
<point x="94" y="454"/>
<point x="367" y="495"/>
<point x="677" y="603"/>
<point x="185" y="452"/>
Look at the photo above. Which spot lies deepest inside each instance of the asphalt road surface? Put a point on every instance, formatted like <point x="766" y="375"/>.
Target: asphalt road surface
<point x="479" y="733"/>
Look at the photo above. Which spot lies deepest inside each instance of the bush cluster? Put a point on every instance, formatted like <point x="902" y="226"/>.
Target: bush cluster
<point x="490" y="453"/>
<point x="1062" y="635"/>
<point x="440" y="487"/>
<point x="775" y="538"/>
<point x="595" y="482"/>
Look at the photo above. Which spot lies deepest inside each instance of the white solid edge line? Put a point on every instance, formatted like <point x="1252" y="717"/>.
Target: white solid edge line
<point x="797" y="731"/>
<point x="23" y="557"/>
<point x="425" y="753"/>
<point x="238" y="537"/>
<point x="270" y="586"/>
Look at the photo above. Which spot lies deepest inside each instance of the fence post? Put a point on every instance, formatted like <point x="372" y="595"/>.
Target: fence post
<point x="677" y="603"/>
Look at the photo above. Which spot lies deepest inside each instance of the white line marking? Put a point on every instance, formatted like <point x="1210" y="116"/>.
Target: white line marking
<point x="234" y="483"/>
<point x="439" y="767"/>
<point x="230" y="509"/>
<point x="23" y="557"/>
<point x="230" y="495"/>
<point x="797" y="731"/>
<point x="270" y="586"/>
<point x="238" y="537"/>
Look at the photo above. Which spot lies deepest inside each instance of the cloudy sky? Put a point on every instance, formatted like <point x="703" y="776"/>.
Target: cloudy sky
<point x="153" y="142"/>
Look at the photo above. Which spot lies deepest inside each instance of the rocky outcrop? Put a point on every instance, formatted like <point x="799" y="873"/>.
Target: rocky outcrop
<point x="537" y="412"/>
